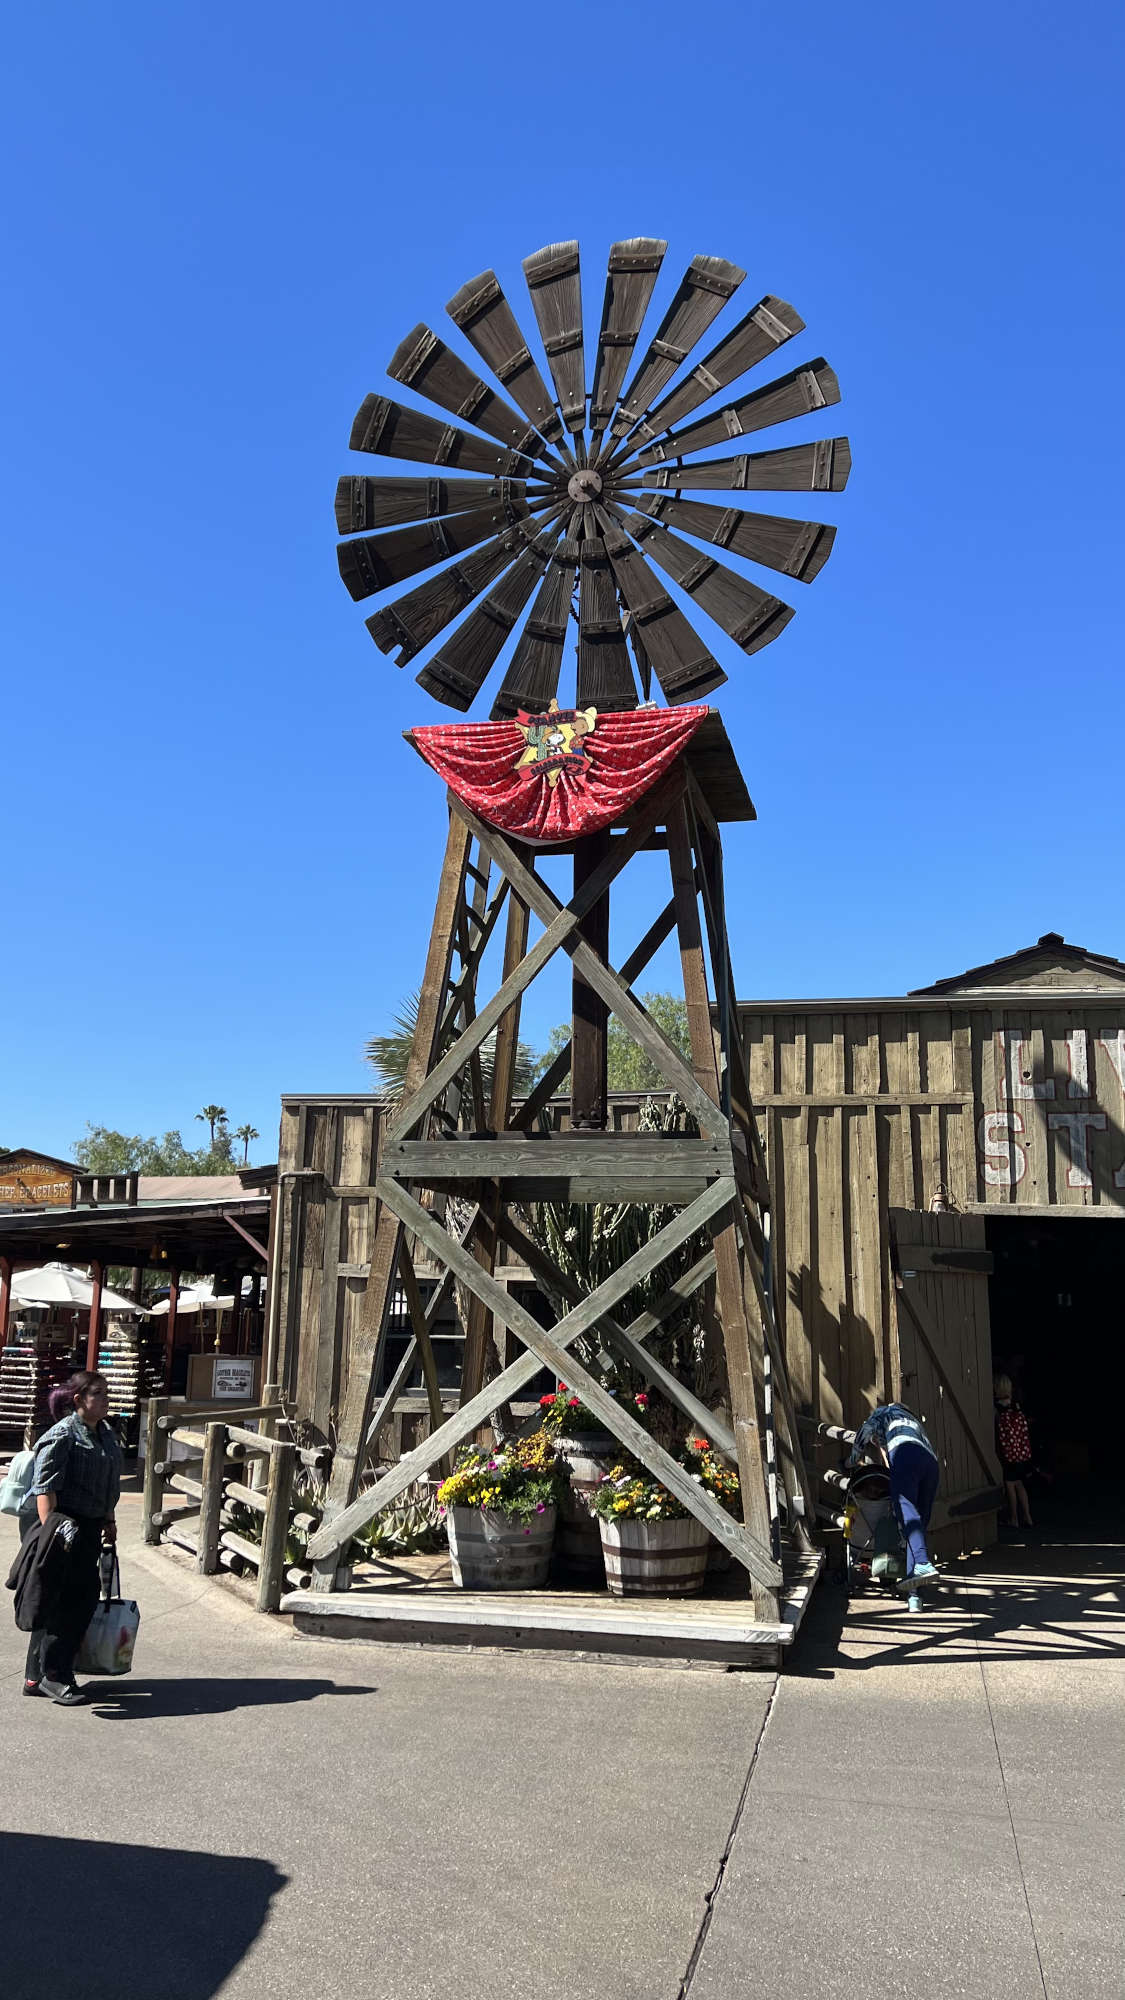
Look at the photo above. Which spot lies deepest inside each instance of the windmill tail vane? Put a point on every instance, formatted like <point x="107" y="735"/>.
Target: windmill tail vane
<point x="545" y="502"/>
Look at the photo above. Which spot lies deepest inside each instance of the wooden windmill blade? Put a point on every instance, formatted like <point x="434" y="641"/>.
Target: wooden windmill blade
<point x="793" y="395"/>
<point x="424" y="363"/>
<point x="760" y="334"/>
<point x="681" y="662"/>
<point x="529" y="517"/>
<point x="393" y="430"/>
<point x="822" y="467"/>
<point x="554" y="280"/>
<point x="362" y="502"/>
<point x="484" y="316"/>
<point x="460" y="667"/>
<point x="799" y="548"/>
<point x="374" y="562"/>
<point x="703" y="291"/>
<point x="412" y="621"/>
<point x="605" y="673"/>
<point x="634" y="267"/>
<point x="532" y="679"/>
<point x="750" y="615"/>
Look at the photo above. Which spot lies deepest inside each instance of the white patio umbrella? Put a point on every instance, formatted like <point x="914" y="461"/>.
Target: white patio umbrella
<point x="200" y="1299"/>
<point x="60" y="1285"/>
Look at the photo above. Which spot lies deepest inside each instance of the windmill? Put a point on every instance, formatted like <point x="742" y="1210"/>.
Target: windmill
<point x="547" y="504"/>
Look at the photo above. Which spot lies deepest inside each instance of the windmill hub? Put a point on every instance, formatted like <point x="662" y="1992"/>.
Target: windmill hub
<point x="584" y="486"/>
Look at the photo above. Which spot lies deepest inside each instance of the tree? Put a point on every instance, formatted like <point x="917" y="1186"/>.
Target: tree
<point x="389" y="1054"/>
<point x="629" y="1068"/>
<point x="102" y="1150"/>
<point x="246" y="1133"/>
<point x="212" y="1115"/>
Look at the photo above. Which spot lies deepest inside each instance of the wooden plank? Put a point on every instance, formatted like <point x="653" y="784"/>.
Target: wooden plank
<point x="624" y="1340"/>
<point x="928" y="1334"/>
<point x="746" y="1547"/>
<point x="561" y="923"/>
<point x="211" y="1502"/>
<point x="822" y="467"/>
<point x="702" y="293"/>
<point x="634" y="266"/>
<point x="485" y="317"/>
<point x="554" y="280"/>
<point x="337" y="1530"/>
<point x="275" y="1528"/>
<point x="797" y="394"/>
<point x="753" y="617"/>
<point x="613" y="990"/>
<point x="755" y="338"/>
<point x="798" y="549"/>
<point x="391" y="430"/>
<point x="425" y="364"/>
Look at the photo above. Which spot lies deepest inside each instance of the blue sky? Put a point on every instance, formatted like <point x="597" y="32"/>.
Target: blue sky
<point x="220" y="221"/>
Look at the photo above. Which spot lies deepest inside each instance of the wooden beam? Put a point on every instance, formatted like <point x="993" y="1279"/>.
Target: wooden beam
<point x="561" y="929"/>
<point x="5" y="1297"/>
<point x="512" y="1379"/>
<point x="588" y="1073"/>
<point x="94" y="1331"/>
<point x="627" y="1344"/>
<point x="747" y="1546"/>
<point x="604" y="981"/>
<point x="259" y="1249"/>
<point x="478" y="1333"/>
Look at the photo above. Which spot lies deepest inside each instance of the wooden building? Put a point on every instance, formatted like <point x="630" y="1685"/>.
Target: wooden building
<point x="945" y="1168"/>
<point x="943" y="1165"/>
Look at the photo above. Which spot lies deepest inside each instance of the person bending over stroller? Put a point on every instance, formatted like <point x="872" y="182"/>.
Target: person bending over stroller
<point x="893" y="1436"/>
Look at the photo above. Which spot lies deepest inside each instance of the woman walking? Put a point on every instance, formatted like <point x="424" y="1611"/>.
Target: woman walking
<point x="77" y="1474"/>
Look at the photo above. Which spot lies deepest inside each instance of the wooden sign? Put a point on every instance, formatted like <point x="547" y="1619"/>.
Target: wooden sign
<point x="28" y="1180"/>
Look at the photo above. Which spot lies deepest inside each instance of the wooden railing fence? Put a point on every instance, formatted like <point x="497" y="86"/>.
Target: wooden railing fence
<point x="224" y="1469"/>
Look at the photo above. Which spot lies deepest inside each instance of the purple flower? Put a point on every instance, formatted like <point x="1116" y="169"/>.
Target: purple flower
<point x="541" y="1507"/>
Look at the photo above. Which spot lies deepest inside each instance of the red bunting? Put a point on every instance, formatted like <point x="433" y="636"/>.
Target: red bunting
<point x="554" y="776"/>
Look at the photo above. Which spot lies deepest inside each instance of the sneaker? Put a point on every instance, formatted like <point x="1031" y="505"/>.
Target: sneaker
<point x="65" y="1693"/>
<point x="914" y="1602"/>
<point x="924" y="1573"/>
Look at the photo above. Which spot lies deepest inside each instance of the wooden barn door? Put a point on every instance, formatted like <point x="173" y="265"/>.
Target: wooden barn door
<point x="941" y="1272"/>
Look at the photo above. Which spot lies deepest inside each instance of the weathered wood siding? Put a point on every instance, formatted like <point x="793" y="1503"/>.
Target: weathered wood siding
<point x="326" y="1167"/>
<point x="1008" y="1102"/>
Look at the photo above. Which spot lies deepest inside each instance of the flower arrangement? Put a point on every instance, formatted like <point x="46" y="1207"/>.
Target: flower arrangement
<point x="522" y="1479"/>
<point x="712" y="1472"/>
<point x="565" y="1415"/>
<point x="629" y="1493"/>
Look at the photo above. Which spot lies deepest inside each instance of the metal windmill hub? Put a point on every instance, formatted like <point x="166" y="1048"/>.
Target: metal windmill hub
<point x="579" y="483"/>
<point x="585" y="486"/>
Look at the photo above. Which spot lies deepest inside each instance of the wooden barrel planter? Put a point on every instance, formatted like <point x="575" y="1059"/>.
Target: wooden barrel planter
<point x="654" y="1558"/>
<point x="493" y="1551"/>
<point x="578" y="1544"/>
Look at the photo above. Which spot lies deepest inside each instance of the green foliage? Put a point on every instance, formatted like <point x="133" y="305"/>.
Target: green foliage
<point x="629" y="1068"/>
<point x="630" y="1493"/>
<point x="104" y="1151"/>
<point x="389" y="1054"/>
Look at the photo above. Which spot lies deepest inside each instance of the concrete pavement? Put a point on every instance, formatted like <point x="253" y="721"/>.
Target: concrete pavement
<point x="922" y="1806"/>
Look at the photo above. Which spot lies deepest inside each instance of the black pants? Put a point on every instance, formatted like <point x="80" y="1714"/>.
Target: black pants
<point x="52" y="1647"/>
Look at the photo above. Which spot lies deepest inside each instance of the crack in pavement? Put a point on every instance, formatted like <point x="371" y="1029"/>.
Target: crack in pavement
<point x="712" y="1894"/>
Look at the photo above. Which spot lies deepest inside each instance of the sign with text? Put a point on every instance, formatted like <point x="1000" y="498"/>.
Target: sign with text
<point x="28" y="1182"/>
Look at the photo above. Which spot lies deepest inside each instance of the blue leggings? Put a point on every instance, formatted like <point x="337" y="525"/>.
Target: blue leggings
<point x="914" y="1485"/>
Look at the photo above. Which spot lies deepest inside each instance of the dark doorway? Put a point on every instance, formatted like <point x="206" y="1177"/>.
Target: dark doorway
<point x="1057" y="1309"/>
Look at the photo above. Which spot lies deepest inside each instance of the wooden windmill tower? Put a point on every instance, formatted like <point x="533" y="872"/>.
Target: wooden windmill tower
<point x="554" y="506"/>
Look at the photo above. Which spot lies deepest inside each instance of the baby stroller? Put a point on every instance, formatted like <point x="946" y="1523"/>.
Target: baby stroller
<point x="874" y="1550"/>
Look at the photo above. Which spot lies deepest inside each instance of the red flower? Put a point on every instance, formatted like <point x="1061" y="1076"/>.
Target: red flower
<point x="574" y="1403"/>
<point x="641" y="1399"/>
<point x="545" y="1402"/>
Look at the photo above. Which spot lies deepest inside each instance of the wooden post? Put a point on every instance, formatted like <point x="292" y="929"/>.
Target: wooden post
<point x="479" y="1331"/>
<point x="275" y="1529"/>
<point x="211" y="1502"/>
<point x="93" y="1336"/>
<point x="154" y="1446"/>
<point x="170" y="1335"/>
<point x="588" y="1078"/>
<point x="5" y="1297"/>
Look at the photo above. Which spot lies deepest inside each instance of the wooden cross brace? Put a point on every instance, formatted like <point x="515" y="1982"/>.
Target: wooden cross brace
<point x="550" y="1349"/>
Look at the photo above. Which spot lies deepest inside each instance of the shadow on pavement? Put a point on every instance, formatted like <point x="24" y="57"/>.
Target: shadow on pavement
<point x="132" y="1700"/>
<point x="69" y="1913"/>
<point x="1039" y="1600"/>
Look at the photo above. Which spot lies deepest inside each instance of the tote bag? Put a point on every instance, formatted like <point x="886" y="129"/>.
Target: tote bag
<point x="112" y="1632"/>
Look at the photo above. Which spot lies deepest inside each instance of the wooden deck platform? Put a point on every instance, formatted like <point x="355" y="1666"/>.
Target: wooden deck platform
<point x="417" y="1603"/>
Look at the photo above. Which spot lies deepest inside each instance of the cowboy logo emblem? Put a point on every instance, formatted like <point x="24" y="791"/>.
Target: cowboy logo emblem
<point x="555" y="741"/>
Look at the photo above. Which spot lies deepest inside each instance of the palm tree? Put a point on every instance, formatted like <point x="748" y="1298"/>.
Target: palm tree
<point x="389" y="1054"/>
<point x="246" y="1133"/>
<point x="212" y="1115"/>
